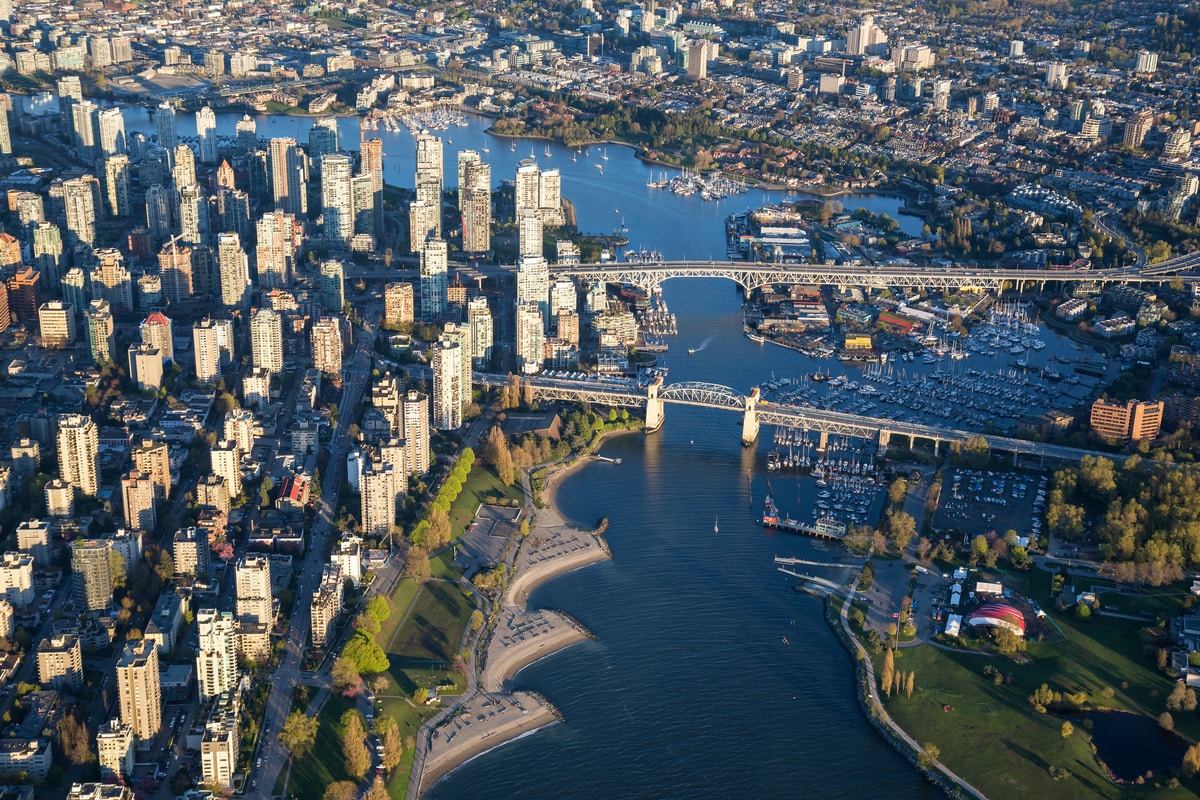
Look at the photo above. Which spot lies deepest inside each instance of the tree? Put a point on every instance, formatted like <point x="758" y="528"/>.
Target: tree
<point x="417" y="564"/>
<point x="379" y="608"/>
<point x="897" y="491"/>
<point x="1166" y="721"/>
<point x="354" y="746"/>
<point x="887" y="674"/>
<point x="929" y="755"/>
<point x="1067" y="730"/>
<point x="365" y="622"/>
<point x="378" y="790"/>
<point x="299" y="734"/>
<point x="341" y="790"/>
<point x="910" y="683"/>
<point x="439" y="528"/>
<point x="900" y="528"/>
<point x="73" y="737"/>
<point x="345" y="675"/>
<point x="366" y="655"/>
<point x="1191" y="760"/>
<point x="116" y="568"/>
<point x="393" y="746"/>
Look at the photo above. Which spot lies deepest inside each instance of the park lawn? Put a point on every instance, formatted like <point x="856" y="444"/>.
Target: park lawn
<point x="310" y="776"/>
<point x="484" y="486"/>
<point x="434" y="629"/>
<point x="401" y="601"/>
<point x="442" y="566"/>
<point x="1102" y="657"/>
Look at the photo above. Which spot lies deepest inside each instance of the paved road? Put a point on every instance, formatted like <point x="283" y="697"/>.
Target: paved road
<point x="289" y="675"/>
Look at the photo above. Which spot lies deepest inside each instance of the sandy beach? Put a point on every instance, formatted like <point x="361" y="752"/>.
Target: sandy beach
<point x="481" y="724"/>
<point x="495" y="715"/>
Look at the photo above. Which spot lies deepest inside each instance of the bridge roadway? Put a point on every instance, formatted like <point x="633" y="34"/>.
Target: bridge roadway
<point x="752" y="275"/>
<point x="756" y="412"/>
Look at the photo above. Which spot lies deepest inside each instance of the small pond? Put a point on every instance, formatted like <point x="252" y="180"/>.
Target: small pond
<point x="1132" y="745"/>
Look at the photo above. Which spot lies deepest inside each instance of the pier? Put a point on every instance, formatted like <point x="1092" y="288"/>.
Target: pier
<point x="792" y="562"/>
<point x="822" y="530"/>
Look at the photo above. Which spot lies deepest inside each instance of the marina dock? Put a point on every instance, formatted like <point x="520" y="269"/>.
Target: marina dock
<point x="791" y="562"/>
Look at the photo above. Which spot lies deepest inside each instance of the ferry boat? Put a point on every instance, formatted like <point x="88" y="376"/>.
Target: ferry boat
<point x="758" y="338"/>
<point x="770" y="513"/>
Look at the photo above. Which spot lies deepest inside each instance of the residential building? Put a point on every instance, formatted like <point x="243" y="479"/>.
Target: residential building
<point x="254" y="603"/>
<point x="78" y="450"/>
<point x="434" y="279"/>
<point x="378" y="498"/>
<point x="99" y="326"/>
<point x="337" y="200"/>
<point x="91" y="570"/>
<point x="157" y="331"/>
<point x="266" y="340"/>
<point x="327" y="346"/>
<point x="216" y="656"/>
<point x="398" y="304"/>
<point x="33" y="539"/>
<point x="152" y="458"/>
<point x="288" y="176"/>
<point x="219" y="746"/>
<point x="531" y="338"/>
<point x="60" y="662"/>
<point x="481" y="326"/>
<point x="256" y="388"/>
<point x="415" y="421"/>
<point x="60" y="498"/>
<point x="348" y="556"/>
<point x="16" y="579"/>
<point x="448" y="390"/>
<point x="326" y="605"/>
<point x="422" y="224"/>
<point x="226" y="459"/>
<point x="145" y="366"/>
<point x="138" y="690"/>
<point x="115" y="748"/>
<point x="235" y="272"/>
<point x="32" y="757"/>
<point x="275" y="255"/>
<point x="333" y="286"/>
<point x="138" y="495"/>
<point x="191" y="552"/>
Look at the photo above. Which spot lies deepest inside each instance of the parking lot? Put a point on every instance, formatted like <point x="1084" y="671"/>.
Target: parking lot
<point x="975" y="501"/>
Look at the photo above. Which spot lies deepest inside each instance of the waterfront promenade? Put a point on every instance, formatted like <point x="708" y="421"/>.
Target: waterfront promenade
<point x="491" y="714"/>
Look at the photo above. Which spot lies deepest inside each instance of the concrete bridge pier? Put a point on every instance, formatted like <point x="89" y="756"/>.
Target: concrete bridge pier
<point x="823" y="444"/>
<point x="912" y="440"/>
<point x="937" y="446"/>
<point x="750" y="419"/>
<point x="654" y="405"/>
<point x="885" y="436"/>
<point x="1014" y="461"/>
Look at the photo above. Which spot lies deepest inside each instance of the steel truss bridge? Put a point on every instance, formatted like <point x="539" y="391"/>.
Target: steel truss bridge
<point x="756" y="412"/>
<point x="753" y="275"/>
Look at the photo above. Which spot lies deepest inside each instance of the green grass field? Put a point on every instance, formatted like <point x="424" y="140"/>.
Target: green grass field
<point x="401" y="601"/>
<point x="434" y="629"/>
<point x="1102" y="657"/>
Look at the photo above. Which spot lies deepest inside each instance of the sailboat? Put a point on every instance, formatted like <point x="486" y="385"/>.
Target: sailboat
<point x="486" y="149"/>
<point x="716" y="527"/>
<point x="604" y="154"/>
<point x="547" y="151"/>
<point x="513" y="146"/>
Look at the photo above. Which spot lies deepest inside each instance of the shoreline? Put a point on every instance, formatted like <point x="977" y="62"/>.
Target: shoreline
<point x="495" y="714"/>
<point x="529" y="715"/>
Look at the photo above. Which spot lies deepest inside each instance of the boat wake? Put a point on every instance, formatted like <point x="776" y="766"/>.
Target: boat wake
<point x="703" y="345"/>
